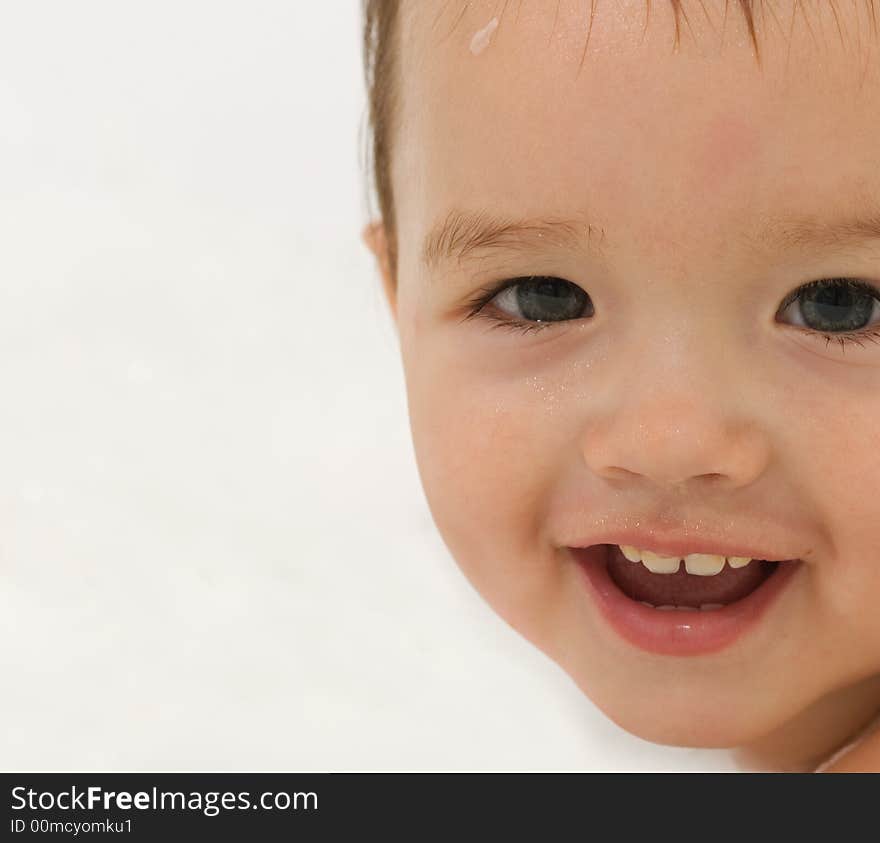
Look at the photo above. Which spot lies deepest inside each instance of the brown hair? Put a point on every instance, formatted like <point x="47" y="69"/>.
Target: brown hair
<point x="380" y="55"/>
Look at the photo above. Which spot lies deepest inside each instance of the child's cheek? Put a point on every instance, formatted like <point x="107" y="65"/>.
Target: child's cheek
<point x="488" y="449"/>
<point x="849" y="585"/>
<point x="836" y="459"/>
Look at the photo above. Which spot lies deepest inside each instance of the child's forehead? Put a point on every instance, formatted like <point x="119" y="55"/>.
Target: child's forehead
<point x="618" y="48"/>
<point x="523" y="121"/>
<point x="738" y="22"/>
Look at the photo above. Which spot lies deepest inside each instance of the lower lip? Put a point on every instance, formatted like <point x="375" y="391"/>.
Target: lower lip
<point x="675" y="632"/>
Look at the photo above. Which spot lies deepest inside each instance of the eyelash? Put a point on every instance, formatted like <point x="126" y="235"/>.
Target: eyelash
<point x="486" y="294"/>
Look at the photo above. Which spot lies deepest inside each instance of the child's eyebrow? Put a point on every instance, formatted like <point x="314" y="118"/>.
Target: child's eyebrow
<point x="461" y="234"/>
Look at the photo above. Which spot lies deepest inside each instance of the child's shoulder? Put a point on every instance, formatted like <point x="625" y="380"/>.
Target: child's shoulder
<point x="861" y="755"/>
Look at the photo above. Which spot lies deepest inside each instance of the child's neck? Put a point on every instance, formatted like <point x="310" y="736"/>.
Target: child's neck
<point x="809" y="739"/>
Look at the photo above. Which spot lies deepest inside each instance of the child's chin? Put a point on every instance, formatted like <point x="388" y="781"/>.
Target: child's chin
<point x="683" y="735"/>
<point x="682" y="730"/>
<point x="689" y="720"/>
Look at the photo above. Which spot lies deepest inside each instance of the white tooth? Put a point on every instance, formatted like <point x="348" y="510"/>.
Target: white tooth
<point x="708" y="607"/>
<point x="631" y="553"/>
<point x="703" y="564"/>
<point x="687" y="608"/>
<point x="646" y="603"/>
<point x="664" y="608"/>
<point x="738" y="561"/>
<point x="660" y="564"/>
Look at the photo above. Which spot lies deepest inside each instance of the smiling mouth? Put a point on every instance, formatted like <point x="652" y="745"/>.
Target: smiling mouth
<point x="710" y="611"/>
<point x="682" y="589"/>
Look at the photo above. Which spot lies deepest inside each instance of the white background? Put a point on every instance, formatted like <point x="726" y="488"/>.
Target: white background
<point x="214" y="548"/>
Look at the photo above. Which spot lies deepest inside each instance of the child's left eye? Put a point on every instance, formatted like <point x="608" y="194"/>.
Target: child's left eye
<point x="534" y="302"/>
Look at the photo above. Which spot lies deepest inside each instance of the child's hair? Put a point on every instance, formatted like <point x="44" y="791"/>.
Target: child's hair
<point x="380" y="53"/>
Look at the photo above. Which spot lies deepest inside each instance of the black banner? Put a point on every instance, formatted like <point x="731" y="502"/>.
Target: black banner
<point x="343" y="806"/>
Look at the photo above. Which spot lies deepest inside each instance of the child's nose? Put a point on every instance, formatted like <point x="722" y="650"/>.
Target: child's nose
<point x="669" y="423"/>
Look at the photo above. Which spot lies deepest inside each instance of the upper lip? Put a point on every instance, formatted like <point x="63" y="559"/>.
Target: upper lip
<point x="672" y="543"/>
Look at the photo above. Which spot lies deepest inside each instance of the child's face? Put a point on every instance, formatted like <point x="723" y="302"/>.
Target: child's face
<point x="675" y="394"/>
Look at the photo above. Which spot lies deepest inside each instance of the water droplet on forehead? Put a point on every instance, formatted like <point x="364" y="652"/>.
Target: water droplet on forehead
<point x="482" y="37"/>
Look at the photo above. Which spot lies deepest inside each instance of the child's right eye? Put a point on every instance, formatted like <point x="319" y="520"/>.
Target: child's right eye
<point x="534" y="302"/>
